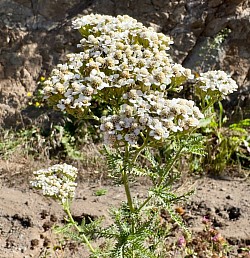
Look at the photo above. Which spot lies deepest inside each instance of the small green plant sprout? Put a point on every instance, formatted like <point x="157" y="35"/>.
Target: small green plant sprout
<point x="210" y="51"/>
<point x="100" y="192"/>
<point x="124" y="67"/>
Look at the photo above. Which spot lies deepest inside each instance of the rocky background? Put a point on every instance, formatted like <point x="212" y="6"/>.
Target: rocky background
<point x="36" y="34"/>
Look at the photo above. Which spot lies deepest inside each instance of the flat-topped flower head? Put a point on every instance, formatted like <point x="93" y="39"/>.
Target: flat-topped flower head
<point x="57" y="181"/>
<point x="216" y="83"/>
<point x="149" y="115"/>
<point x="120" y="59"/>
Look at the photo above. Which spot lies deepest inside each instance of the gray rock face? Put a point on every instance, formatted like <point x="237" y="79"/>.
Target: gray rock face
<point x="36" y="35"/>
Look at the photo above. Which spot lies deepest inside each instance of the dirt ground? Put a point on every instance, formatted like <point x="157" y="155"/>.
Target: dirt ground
<point x="27" y="218"/>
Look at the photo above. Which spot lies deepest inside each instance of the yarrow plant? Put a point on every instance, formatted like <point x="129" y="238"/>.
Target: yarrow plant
<point x="125" y="67"/>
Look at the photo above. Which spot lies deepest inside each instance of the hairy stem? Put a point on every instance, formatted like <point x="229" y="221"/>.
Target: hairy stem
<point x="137" y="153"/>
<point x="127" y="188"/>
<point x="169" y="167"/>
<point x="144" y="203"/>
<point x="125" y="179"/>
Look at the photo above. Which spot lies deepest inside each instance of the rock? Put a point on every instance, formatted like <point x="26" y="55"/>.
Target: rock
<point x="234" y="213"/>
<point x="215" y="3"/>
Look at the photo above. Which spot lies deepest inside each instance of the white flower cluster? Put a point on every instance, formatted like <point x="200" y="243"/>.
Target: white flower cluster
<point x="98" y="29"/>
<point x="57" y="181"/>
<point x="218" y="82"/>
<point x="149" y="115"/>
<point x="119" y="54"/>
<point x="124" y="65"/>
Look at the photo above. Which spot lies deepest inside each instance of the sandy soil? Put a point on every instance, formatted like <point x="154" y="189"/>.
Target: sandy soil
<point x="27" y="218"/>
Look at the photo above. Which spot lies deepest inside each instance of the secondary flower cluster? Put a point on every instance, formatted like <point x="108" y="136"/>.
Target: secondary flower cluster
<point x="119" y="54"/>
<point x="57" y="181"/>
<point x="149" y="115"/>
<point x="216" y="82"/>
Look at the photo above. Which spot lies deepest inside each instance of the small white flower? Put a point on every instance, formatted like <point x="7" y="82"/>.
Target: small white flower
<point x="131" y="138"/>
<point x="60" y="105"/>
<point x="107" y="126"/>
<point x="159" y="132"/>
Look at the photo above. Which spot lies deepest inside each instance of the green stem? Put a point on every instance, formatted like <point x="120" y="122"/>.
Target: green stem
<point x="207" y="107"/>
<point x="220" y="114"/>
<point x="162" y="177"/>
<point x="144" y="203"/>
<point x="137" y="153"/>
<point x="169" y="167"/>
<point x="127" y="189"/>
<point x="125" y="179"/>
<point x="67" y="210"/>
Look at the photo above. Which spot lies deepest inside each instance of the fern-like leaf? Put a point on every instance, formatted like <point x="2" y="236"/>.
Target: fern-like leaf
<point x="194" y="145"/>
<point x="114" y="162"/>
